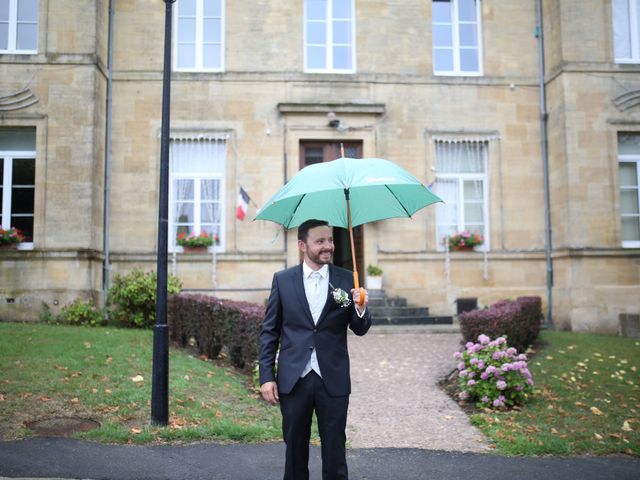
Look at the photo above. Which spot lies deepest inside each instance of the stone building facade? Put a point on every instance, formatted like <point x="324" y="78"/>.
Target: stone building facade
<point x="448" y="89"/>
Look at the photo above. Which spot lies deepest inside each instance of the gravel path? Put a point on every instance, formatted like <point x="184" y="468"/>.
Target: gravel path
<point x="395" y="399"/>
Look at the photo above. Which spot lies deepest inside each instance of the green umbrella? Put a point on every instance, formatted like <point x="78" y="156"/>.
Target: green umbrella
<point x="347" y="192"/>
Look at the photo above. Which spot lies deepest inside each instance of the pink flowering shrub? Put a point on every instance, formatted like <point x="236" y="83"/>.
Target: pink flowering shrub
<point x="493" y="374"/>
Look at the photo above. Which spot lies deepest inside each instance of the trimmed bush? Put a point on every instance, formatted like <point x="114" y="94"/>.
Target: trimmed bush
<point x="518" y="321"/>
<point x="216" y="324"/>
<point x="80" y="312"/>
<point x="132" y="298"/>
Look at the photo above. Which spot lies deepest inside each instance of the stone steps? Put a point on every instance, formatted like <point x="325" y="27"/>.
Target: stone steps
<point x="395" y="311"/>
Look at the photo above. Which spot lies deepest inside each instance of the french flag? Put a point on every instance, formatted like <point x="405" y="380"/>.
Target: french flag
<point x="242" y="206"/>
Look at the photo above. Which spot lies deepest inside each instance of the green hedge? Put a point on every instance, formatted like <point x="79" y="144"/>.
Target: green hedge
<point x="211" y="324"/>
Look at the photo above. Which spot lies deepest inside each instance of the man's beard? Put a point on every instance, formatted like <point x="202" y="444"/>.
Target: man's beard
<point x="318" y="258"/>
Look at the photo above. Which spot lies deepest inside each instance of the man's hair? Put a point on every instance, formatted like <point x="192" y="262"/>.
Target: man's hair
<point x="303" y="230"/>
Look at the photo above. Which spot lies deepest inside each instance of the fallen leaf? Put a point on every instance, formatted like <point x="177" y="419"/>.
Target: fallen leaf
<point x="218" y="413"/>
<point x="598" y="436"/>
<point x="94" y="390"/>
<point x="626" y="427"/>
<point x="87" y="344"/>
<point x="1" y="397"/>
<point x="74" y="400"/>
<point x="109" y="359"/>
<point x="448" y="417"/>
<point x="137" y="379"/>
<point x="136" y="431"/>
<point x="596" y="411"/>
<point x="108" y="391"/>
<point x="553" y="430"/>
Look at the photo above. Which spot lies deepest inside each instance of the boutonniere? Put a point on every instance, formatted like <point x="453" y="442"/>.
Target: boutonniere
<point x="340" y="296"/>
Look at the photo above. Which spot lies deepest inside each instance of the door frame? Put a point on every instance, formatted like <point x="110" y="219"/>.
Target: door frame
<point x="326" y="151"/>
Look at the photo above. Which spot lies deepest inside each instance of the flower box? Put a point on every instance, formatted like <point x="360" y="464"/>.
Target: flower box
<point x="197" y="249"/>
<point x="10" y="238"/>
<point x="465" y="240"/>
<point x="193" y="243"/>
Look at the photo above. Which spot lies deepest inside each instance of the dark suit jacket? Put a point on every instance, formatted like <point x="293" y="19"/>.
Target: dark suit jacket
<point x="288" y="324"/>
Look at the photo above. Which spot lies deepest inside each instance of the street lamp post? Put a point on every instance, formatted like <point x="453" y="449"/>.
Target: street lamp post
<point x="160" y="376"/>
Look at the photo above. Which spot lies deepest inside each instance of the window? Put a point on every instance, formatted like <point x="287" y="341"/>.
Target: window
<point x="329" y="36"/>
<point x="197" y="189"/>
<point x="199" y="35"/>
<point x="457" y="48"/>
<point x="461" y="182"/>
<point x="629" y="175"/>
<point x="17" y="179"/>
<point x="626" y="30"/>
<point x="18" y="26"/>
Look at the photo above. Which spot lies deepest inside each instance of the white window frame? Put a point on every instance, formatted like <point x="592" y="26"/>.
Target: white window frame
<point x="630" y="159"/>
<point x="461" y="178"/>
<point x="455" y="26"/>
<point x="9" y="156"/>
<point x="13" y="31"/>
<point x="634" y="32"/>
<point x="199" y="55"/>
<point x="197" y="177"/>
<point x="330" y="44"/>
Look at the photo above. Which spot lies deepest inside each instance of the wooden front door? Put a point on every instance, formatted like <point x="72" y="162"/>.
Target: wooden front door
<point x="324" y="151"/>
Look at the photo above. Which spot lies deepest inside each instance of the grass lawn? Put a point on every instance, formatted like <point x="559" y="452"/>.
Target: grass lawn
<point x="586" y="400"/>
<point x="105" y="374"/>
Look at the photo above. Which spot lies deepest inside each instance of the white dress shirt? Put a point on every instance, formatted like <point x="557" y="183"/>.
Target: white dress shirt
<point x="316" y="289"/>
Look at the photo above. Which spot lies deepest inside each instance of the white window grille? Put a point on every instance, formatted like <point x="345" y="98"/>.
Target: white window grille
<point x="329" y="36"/>
<point x="19" y="26"/>
<point x="629" y="175"/>
<point x="626" y="30"/>
<point x="197" y="189"/>
<point x="457" y="43"/>
<point x="461" y="181"/>
<point x="199" y="35"/>
<point x="17" y="180"/>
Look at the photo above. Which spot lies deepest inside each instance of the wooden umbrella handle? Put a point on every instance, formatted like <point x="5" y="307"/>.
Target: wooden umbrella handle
<point x="357" y="286"/>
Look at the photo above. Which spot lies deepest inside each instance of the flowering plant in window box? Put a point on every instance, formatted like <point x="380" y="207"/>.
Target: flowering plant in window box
<point x="10" y="237"/>
<point x="465" y="240"/>
<point x="192" y="240"/>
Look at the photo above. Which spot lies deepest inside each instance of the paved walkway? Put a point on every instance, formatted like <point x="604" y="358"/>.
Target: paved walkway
<point x="395" y="400"/>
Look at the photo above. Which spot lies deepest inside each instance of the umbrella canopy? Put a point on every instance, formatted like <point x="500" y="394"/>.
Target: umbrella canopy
<point x="377" y="188"/>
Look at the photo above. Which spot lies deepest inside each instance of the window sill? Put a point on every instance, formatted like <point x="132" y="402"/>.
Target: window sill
<point x="458" y="74"/>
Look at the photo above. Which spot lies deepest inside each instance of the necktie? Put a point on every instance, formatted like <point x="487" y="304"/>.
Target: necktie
<point x="315" y="300"/>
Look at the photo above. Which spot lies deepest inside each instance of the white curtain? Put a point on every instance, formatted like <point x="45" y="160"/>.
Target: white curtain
<point x="460" y="156"/>
<point x="446" y="213"/>
<point x="197" y="156"/>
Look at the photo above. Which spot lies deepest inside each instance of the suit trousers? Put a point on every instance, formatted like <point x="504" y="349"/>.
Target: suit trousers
<point x="297" y="407"/>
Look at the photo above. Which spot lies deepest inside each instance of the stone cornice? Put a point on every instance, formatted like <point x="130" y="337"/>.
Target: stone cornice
<point x="321" y="107"/>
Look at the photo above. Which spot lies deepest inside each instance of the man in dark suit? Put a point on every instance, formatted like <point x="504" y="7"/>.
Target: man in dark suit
<point x="309" y="324"/>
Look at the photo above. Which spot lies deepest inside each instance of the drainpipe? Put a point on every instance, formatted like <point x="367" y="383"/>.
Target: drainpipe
<point x="545" y="165"/>
<point x="107" y="159"/>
